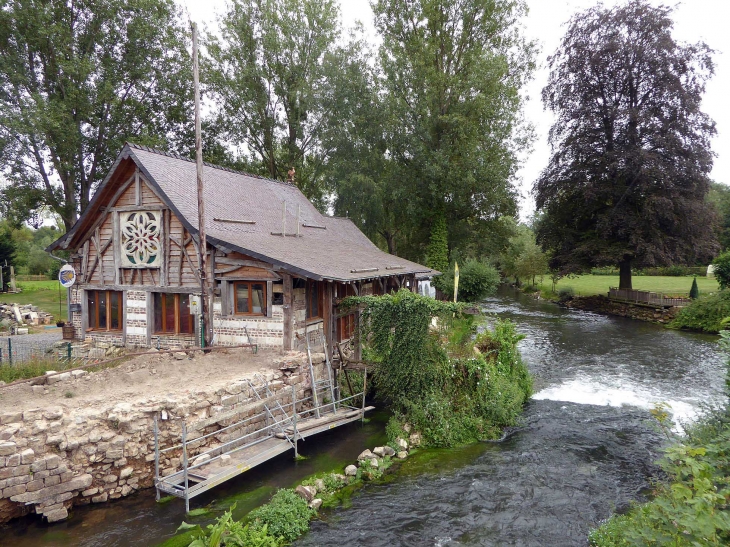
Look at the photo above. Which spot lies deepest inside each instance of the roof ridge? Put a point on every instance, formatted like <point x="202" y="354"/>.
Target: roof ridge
<point x="177" y="156"/>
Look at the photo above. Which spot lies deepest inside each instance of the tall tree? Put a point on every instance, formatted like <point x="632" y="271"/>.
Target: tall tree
<point x="719" y="198"/>
<point x="452" y="72"/>
<point x="627" y="180"/>
<point x="267" y="73"/>
<point x="77" y="79"/>
<point x="358" y="170"/>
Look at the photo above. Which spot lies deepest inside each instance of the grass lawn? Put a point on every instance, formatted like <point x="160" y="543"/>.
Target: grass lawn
<point x="586" y="285"/>
<point x="43" y="294"/>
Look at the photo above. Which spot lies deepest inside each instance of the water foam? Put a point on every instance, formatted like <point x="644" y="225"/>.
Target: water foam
<point x="603" y="393"/>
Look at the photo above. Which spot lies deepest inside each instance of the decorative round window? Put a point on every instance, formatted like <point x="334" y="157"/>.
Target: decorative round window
<point x="140" y="239"/>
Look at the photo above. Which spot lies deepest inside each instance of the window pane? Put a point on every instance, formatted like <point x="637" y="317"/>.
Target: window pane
<point x="169" y="313"/>
<point x="258" y="304"/>
<point x="91" y="309"/>
<point x="158" y="312"/>
<point x="115" y="309"/>
<point x="102" y="309"/>
<point x="186" y="320"/>
<point x="241" y="297"/>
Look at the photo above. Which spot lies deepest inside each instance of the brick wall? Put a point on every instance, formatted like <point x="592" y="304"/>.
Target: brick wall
<point x="266" y="332"/>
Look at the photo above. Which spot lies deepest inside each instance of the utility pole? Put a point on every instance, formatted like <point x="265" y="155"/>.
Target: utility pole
<point x="205" y="293"/>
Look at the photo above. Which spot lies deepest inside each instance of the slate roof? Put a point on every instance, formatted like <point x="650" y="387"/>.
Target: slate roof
<point x="326" y="247"/>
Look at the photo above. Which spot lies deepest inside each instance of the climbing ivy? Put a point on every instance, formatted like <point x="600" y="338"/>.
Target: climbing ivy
<point x="437" y="253"/>
<point x="446" y="389"/>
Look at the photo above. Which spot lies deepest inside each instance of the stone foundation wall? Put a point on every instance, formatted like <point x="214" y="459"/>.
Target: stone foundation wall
<point x="52" y="459"/>
<point x="266" y="332"/>
<point x="601" y="304"/>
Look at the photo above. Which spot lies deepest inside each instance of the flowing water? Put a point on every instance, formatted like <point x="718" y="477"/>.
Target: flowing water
<point x="586" y="447"/>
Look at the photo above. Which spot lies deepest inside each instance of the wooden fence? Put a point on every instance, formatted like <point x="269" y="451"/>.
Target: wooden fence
<point x="647" y="298"/>
<point x="32" y="278"/>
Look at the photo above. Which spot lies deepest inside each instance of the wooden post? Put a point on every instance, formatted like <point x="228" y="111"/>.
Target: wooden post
<point x="185" y="464"/>
<point x="205" y="293"/>
<point x="294" y="410"/>
<point x="364" y="389"/>
<point x="288" y="311"/>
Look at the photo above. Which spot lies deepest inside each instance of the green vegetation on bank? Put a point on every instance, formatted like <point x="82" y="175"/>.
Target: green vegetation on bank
<point x="588" y="285"/>
<point x="691" y="507"/>
<point x="705" y="314"/>
<point x="433" y="378"/>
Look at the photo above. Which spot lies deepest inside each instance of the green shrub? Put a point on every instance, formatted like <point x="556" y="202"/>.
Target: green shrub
<point x="705" y="314"/>
<point x="565" y="293"/>
<point x="477" y="280"/>
<point x="694" y="292"/>
<point x="722" y="269"/>
<point x="286" y="515"/>
<point x="228" y="532"/>
<point x="451" y="394"/>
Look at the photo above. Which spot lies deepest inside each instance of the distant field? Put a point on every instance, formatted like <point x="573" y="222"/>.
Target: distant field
<point x="586" y="285"/>
<point x="43" y="294"/>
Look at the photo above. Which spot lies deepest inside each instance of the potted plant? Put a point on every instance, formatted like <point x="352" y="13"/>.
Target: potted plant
<point x="60" y="323"/>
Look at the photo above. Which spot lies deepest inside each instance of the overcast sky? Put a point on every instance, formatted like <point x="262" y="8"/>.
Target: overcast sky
<point x="695" y="20"/>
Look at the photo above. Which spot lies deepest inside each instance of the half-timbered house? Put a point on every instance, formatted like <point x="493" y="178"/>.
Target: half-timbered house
<point x="277" y="265"/>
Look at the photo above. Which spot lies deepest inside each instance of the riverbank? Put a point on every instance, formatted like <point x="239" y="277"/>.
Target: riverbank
<point x="601" y="304"/>
<point x="86" y="438"/>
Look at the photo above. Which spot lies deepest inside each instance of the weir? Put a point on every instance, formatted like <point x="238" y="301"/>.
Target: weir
<point x="258" y="431"/>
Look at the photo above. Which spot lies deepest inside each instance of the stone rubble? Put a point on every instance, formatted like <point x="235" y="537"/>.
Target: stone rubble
<point x="14" y="315"/>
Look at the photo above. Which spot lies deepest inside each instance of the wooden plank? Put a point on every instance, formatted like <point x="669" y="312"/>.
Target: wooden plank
<point x="117" y="248"/>
<point x="137" y="188"/>
<point x="228" y="261"/>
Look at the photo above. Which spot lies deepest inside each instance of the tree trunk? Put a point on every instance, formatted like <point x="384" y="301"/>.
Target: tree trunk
<point x="624" y="274"/>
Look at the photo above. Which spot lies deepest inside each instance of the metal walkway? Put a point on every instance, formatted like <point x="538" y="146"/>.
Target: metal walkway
<point x="247" y="442"/>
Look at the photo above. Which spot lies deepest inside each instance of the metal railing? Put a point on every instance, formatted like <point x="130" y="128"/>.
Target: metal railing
<point x="647" y="297"/>
<point x="280" y="420"/>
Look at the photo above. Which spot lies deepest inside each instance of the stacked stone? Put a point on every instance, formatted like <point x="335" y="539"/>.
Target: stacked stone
<point x="53" y="458"/>
<point x="14" y="314"/>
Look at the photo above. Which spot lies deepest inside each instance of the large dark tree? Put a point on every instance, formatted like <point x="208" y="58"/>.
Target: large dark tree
<point x="77" y="79"/>
<point x="627" y="180"/>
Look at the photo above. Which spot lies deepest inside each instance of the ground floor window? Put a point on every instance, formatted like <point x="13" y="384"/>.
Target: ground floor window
<point x="172" y="314"/>
<point x="104" y="310"/>
<point x="249" y="298"/>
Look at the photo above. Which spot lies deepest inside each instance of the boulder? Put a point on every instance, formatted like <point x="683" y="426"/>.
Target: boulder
<point x="402" y="455"/>
<point x="415" y="439"/>
<point x="319" y="485"/>
<point x="315" y="503"/>
<point x="388" y="451"/>
<point x="305" y="492"/>
<point x="401" y="443"/>
<point x="350" y="471"/>
<point x="379" y="451"/>
<point x="365" y="455"/>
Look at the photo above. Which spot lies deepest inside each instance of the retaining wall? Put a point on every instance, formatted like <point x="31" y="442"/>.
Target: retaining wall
<point x="51" y="459"/>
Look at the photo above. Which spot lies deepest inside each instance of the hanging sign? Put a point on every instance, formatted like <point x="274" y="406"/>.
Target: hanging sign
<point x="67" y="276"/>
<point x="456" y="280"/>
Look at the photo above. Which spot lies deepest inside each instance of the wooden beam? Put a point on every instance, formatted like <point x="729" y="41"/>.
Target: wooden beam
<point x="137" y="188"/>
<point x="288" y="311"/>
<point x="228" y="261"/>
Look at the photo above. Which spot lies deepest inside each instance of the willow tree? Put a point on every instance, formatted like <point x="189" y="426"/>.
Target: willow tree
<point x="628" y="176"/>
<point x="267" y="72"/>
<point x="78" y="79"/>
<point x="452" y="71"/>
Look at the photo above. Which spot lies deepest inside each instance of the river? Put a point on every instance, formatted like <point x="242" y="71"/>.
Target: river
<point x="586" y="447"/>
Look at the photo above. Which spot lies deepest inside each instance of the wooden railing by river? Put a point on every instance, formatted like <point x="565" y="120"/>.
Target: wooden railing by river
<point x="647" y="298"/>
